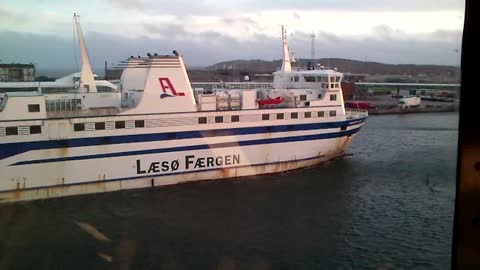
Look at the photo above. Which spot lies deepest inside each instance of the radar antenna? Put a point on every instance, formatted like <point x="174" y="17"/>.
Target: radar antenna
<point x="286" y="66"/>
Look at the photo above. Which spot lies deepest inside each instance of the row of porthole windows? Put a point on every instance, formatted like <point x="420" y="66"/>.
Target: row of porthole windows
<point x="266" y="116"/>
<point x="219" y="119"/>
<point x="102" y="125"/>
<point x="332" y="97"/>
<point x="201" y="120"/>
<point x="318" y="79"/>
<point x="10" y="131"/>
<point x="294" y="115"/>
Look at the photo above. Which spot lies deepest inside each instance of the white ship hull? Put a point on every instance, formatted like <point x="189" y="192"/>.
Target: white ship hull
<point x="156" y="130"/>
<point x="108" y="160"/>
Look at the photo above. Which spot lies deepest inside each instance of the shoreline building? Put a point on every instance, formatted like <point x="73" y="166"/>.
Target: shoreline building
<point x="15" y="72"/>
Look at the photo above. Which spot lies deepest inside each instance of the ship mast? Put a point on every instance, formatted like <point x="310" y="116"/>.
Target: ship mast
<point x="286" y="66"/>
<point x="87" y="81"/>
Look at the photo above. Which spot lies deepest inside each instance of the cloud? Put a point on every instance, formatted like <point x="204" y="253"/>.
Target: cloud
<point x="129" y="4"/>
<point x="296" y="15"/>
<point x="205" y="7"/>
<point x="177" y="7"/>
<point x="4" y="13"/>
<point x="169" y="31"/>
<point x="366" y="5"/>
<point x="386" y="32"/>
<point x="11" y="17"/>
<point x="208" y="47"/>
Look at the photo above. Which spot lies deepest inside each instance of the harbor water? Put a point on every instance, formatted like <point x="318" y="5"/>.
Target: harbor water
<point x="387" y="204"/>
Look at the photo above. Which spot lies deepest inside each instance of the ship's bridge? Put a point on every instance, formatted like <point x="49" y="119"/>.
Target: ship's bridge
<point x="301" y="78"/>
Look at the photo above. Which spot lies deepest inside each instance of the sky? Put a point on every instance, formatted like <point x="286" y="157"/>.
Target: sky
<point x="206" y="31"/>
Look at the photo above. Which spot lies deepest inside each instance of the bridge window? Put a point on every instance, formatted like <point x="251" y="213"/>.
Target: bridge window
<point x="79" y="127"/>
<point x="202" y="120"/>
<point x="337" y="79"/>
<point x="294" y="115"/>
<point x="119" y="124"/>
<point x="308" y="114"/>
<point x="103" y="88"/>
<point x="57" y="105"/>
<point x="99" y="125"/>
<point x="265" y="116"/>
<point x="139" y="123"/>
<point x="33" y="107"/>
<point x="333" y="113"/>
<point x="218" y="119"/>
<point x="309" y="78"/>
<point x="35" y="129"/>
<point x="333" y="97"/>
<point x="11" y="131"/>
<point x="322" y="79"/>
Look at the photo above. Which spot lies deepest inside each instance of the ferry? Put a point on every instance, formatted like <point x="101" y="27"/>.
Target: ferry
<point x="154" y="129"/>
<point x="60" y="85"/>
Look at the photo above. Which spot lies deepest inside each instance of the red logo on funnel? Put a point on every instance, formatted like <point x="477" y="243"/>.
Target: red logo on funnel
<point x="166" y="84"/>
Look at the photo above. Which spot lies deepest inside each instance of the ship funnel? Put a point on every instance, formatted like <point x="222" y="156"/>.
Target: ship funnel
<point x="164" y="83"/>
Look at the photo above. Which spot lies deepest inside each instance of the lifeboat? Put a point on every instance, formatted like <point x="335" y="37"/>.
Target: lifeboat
<point x="271" y="101"/>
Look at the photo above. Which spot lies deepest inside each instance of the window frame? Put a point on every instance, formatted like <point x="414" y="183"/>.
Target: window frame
<point x="138" y="125"/>
<point x="98" y="126"/>
<point x="76" y="125"/>
<point x="217" y="119"/>
<point x="121" y="126"/>
<point x="31" y="106"/>
<point x="202" y="120"/>
<point x="15" y="129"/>
<point x="235" y="118"/>
<point x="32" y="128"/>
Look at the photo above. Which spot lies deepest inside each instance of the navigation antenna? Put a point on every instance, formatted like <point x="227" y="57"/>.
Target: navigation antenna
<point x="312" y="52"/>
<point x="286" y="66"/>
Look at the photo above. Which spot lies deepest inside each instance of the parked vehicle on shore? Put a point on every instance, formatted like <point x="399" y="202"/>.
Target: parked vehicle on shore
<point x="409" y="102"/>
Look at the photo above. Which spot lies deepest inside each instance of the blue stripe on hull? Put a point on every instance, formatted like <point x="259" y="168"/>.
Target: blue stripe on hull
<point x="196" y="147"/>
<point x="11" y="149"/>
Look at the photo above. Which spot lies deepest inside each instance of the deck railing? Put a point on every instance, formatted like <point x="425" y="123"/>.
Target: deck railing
<point x="355" y="113"/>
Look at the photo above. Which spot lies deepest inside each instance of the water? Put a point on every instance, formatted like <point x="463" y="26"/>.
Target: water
<point x="387" y="205"/>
